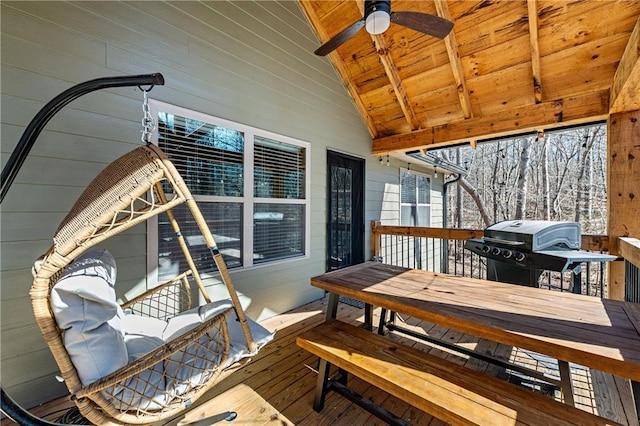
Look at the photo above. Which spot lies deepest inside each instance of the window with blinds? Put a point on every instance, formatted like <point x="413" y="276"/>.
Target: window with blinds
<point x="278" y="185"/>
<point x="415" y="199"/>
<point x="251" y="186"/>
<point x="210" y="158"/>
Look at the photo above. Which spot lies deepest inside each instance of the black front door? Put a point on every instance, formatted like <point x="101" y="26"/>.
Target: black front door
<point x="345" y="210"/>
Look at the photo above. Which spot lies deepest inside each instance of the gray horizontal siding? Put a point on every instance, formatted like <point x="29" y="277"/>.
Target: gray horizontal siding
<point x="249" y="62"/>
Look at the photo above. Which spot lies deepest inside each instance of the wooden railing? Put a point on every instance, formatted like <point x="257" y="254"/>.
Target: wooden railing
<point x="442" y="250"/>
<point x="432" y="249"/>
<point x="599" y="243"/>
<point x="630" y="251"/>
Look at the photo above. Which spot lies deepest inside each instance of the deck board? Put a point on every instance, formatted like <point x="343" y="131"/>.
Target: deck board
<point x="277" y="387"/>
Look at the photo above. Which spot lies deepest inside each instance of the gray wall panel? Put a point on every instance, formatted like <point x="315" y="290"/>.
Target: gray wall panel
<point x="249" y="62"/>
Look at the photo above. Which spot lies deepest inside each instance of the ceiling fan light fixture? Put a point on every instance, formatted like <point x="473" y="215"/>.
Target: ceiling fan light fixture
<point x="378" y="22"/>
<point x="377" y="18"/>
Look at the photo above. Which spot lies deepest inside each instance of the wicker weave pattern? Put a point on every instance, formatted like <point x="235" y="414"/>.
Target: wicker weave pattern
<point x="197" y="355"/>
<point x="128" y="192"/>
<point x="115" y="198"/>
<point x="164" y="301"/>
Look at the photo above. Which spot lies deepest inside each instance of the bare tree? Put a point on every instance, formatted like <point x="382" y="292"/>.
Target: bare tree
<point x="459" y="200"/>
<point x="494" y="181"/>
<point x="584" y="185"/>
<point x="475" y="195"/>
<point x="545" y="181"/>
<point x="522" y="179"/>
<point x="556" y="179"/>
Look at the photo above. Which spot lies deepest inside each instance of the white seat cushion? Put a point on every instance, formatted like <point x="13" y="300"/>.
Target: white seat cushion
<point x="84" y="305"/>
<point x="146" y="390"/>
<point x="141" y="325"/>
<point x="101" y="338"/>
<point x="186" y="368"/>
<point x="238" y="347"/>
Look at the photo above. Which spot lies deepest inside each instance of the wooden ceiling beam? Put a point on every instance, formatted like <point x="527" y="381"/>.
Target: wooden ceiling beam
<point x="339" y="66"/>
<point x="532" y="6"/>
<point x="454" y="59"/>
<point x="626" y="81"/>
<point x="396" y="81"/>
<point x="391" y="70"/>
<point x="545" y="115"/>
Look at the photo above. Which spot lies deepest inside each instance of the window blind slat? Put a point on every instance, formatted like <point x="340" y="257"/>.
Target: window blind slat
<point x="415" y="199"/>
<point x="278" y="231"/>
<point x="212" y="161"/>
<point x="225" y="221"/>
<point x="278" y="169"/>
<point x="210" y="158"/>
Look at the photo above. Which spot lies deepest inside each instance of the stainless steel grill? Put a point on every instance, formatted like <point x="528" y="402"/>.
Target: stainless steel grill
<point x="517" y="251"/>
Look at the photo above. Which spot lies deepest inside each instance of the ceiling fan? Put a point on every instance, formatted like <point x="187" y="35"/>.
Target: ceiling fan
<point x="377" y="18"/>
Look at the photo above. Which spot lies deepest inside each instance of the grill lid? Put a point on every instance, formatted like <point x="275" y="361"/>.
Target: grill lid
<point x="535" y="235"/>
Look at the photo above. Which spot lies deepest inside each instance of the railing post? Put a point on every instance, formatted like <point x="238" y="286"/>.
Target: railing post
<point x="623" y="181"/>
<point x="630" y="251"/>
<point x="376" y="239"/>
<point x="444" y="256"/>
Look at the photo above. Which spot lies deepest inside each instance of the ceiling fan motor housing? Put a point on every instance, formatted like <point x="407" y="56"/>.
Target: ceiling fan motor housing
<point x="377" y="18"/>
<point x="377" y="15"/>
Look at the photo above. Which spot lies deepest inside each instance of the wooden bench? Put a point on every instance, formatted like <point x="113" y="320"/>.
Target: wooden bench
<point x="450" y="392"/>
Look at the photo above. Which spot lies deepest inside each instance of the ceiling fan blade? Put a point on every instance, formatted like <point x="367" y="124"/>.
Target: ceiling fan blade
<point x="337" y="40"/>
<point x="423" y="22"/>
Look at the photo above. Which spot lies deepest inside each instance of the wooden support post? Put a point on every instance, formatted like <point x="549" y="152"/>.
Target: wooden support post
<point x="376" y="239"/>
<point x="624" y="190"/>
<point x="565" y="378"/>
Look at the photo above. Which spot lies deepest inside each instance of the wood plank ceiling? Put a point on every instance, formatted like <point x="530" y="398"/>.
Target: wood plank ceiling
<point x="507" y="67"/>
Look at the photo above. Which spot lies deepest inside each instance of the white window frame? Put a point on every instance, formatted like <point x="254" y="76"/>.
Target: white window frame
<point x="247" y="199"/>
<point x="401" y="204"/>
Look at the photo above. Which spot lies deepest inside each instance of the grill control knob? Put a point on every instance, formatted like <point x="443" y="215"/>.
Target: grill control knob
<point x="519" y="257"/>
<point x="496" y="251"/>
<point x="486" y="249"/>
<point x="507" y="253"/>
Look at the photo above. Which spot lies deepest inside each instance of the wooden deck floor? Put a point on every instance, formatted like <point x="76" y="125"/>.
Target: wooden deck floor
<point x="277" y="386"/>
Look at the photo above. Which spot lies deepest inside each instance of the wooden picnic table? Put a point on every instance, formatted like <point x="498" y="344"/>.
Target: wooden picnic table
<point x="598" y="333"/>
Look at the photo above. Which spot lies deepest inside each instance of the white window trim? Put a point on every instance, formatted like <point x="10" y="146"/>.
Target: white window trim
<point x="248" y="201"/>
<point x="400" y="203"/>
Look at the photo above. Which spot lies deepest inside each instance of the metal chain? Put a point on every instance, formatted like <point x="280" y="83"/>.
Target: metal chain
<point x="148" y="122"/>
